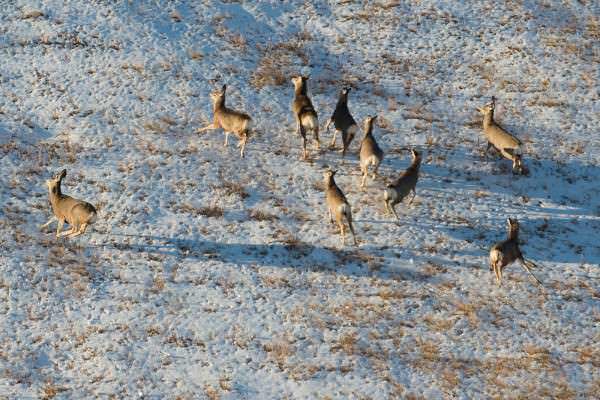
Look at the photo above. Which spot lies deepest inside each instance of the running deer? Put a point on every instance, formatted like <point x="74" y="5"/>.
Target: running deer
<point x="370" y="153"/>
<point x="508" y="145"/>
<point x="401" y="187"/>
<point x="343" y="122"/>
<point x="508" y="251"/>
<point x="338" y="205"/>
<point x="304" y="112"/>
<point x="229" y="120"/>
<point x="77" y="213"/>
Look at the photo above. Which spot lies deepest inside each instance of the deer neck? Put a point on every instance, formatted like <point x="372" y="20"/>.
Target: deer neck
<point x="300" y="90"/>
<point x="55" y="194"/>
<point x="488" y="119"/>
<point x="219" y="104"/>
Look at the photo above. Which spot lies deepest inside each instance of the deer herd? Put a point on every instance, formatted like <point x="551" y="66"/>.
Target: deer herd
<point x="79" y="214"/>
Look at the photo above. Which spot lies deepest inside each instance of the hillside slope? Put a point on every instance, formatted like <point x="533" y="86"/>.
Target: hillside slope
<point x="211" y="276"/>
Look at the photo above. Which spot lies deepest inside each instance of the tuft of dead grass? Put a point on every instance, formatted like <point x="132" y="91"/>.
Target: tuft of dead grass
<point x="211" y="211"/>
<point x="261" y="215"/>
<point x="278" y="62"/>
<point x="279" y="349"/>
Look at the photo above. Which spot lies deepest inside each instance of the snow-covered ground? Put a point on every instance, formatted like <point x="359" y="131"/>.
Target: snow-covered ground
<point x="211" y="276"/>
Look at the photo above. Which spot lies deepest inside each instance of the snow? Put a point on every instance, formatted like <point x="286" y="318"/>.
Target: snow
<point x="211" y="276"/>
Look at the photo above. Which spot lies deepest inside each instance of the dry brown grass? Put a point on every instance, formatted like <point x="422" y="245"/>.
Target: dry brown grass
<point x="50" y="391"/>
<point x="429" y="351"/>
<point x="31" y="13"/>
<point x="468" y="310"/>
<point x="540" y="354"/>
<point x="592" y="27"/>
<point x="261" y="215"/>
<point x="155" y="127"/>
<point x="347" y="343"/>
<point x="176" y="16"/>
<point x="158" y="284"/>
<point x="231" y="188"/>
<point x="280" y="60"/>
<point x="438" y="324"/>
<point x="279" y="349"/>
<point x="211" y="393"/>
<point x="211" y="211"/>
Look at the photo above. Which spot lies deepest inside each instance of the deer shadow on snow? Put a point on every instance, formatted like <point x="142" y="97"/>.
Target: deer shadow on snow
<point x="347" y="260"/>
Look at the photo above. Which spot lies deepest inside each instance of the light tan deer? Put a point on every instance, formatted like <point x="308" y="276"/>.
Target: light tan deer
<point x="229" y="120"/>
<point x="77" y="213"/>
<point x="395" y="192"/>
<point x="370" y="153"/>
<point x="338" y="205"/>
<point x="304" y="112"/>
<point x="508" y="145"/>
<point x="508" y="251"/>
<point x="343" y="121"/>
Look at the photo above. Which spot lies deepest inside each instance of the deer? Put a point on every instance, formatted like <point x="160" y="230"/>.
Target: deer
<point x="370" y="152"/>
<point x="507" y="145"/>
<point x="231" y="121"/>
<point x="508" y="251"/>
<point x="343" y="122"/>
<point x="395" y="192"/>
<point x="77" y="213"/>
<point x="338" y="205"/>
<point x="304" y="113"/>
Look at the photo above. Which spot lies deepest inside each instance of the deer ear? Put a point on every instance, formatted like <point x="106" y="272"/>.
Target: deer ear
<point x="63" y="173"/>
<point x="224" y="88"/>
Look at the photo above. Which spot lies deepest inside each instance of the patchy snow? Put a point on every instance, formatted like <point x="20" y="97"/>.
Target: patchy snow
<point x="211" y="276"/>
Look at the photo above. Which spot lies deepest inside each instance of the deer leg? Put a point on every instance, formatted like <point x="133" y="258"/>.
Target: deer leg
<point x="343" y="233"/>
<point x="375" y="169"/>
<point x="51" y="220"/>
<point x="487" y="149"/>
<point x="333" y="140"/>
<point x="206" y="128"/>
<point x="330" y="216"/>
<point x="364" y="177"/>
<point x="414" y="194"/>
<point x="344" y="143"/>
<point x="327" y="125"/>
<point x="393" y="207"/>
<point x="316" y="131"/>
<point x="528" y="265"/>
<point x="498" y="273"/>
<point x="242" y="145"/>
<point x="68" y="232"/>
<point x="59" y="226"/>
<point x="79" y="231"/>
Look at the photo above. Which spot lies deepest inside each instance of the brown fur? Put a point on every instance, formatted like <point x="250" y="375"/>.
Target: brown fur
<point x="77" y="213"/>
<point x="508" y="251"/>
<point x="304" y="112"/>
<point x="231" y="121"/>
<point x="401" y="187"/>
<point x="370" y="152"/>
<point x="508" y="145"/>
<point x="343" y="122"/>
<point x="338" y="205"/>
